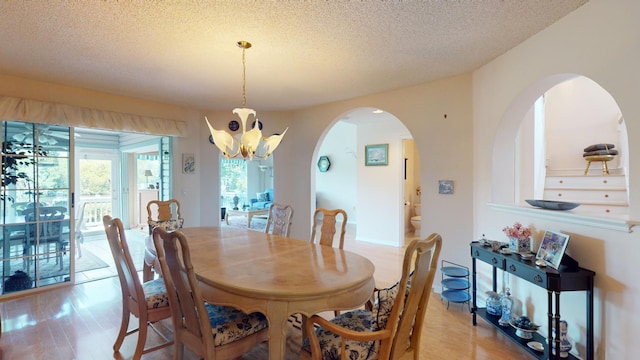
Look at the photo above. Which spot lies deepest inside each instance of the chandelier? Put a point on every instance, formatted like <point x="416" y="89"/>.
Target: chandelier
<point x="250" y="141"/>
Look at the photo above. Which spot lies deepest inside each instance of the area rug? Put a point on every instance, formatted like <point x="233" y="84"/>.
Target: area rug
<point x="87" y="262"/>
<point x="258" y="222"/>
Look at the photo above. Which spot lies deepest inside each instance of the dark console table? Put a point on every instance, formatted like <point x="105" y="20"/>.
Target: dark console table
<point x="569" y="277"/>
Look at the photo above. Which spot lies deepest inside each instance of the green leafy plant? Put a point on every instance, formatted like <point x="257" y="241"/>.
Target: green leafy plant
<point x="15" y="157"/>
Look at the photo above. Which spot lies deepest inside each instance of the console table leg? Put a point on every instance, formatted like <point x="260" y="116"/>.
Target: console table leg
<point x="557" y="326"/>
<point x="549" y="321"/>
<point x="474" y="308"/>
<point x="590" y="322"/>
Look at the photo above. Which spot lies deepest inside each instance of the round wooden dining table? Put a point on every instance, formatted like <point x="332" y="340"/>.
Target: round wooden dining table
<point x="276" y="276"/>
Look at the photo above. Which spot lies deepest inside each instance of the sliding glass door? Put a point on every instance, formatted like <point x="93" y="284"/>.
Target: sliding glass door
<point x="36" y="205"/>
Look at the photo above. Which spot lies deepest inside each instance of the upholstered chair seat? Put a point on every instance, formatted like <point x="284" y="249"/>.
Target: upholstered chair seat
<point x="229" y="324"/>
<point x="155" y="294"/>
<point x="360" y="320"/>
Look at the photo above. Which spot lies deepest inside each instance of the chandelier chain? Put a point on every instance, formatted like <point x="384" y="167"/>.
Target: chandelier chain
<point x="244" y="80"/>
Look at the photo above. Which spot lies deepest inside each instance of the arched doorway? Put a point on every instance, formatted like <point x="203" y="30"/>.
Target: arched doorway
<point x="377" y="199"/>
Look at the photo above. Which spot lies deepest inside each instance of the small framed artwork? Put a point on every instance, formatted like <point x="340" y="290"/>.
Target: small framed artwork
<point x="445" y="187"/>
<point x="375" y="155"/>
<point x="552" y="248"/>
<point x="188" y="163"/>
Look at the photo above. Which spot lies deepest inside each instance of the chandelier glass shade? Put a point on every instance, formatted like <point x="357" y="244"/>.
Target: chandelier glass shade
<point x="251" y="143"/>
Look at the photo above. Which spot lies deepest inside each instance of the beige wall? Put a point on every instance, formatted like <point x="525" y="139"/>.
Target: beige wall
<point x="599" y="41"/>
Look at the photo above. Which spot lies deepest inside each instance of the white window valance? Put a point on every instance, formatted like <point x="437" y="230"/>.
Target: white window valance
<point x="28" y="110"/>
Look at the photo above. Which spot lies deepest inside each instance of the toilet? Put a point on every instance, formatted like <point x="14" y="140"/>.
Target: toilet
<point x="416" y="219"/>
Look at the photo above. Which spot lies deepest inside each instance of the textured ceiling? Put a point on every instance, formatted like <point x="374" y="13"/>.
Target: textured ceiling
<point x="304" y="53"/>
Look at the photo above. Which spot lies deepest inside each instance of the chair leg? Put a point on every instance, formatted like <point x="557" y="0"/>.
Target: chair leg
<point x="587" y="169"/>
<point x="142" y="339"/>
<point x="79" y="240"/>
<point x="178" y="350"/>
<point x="147" y="272"/>
<point x="124" y="325"/>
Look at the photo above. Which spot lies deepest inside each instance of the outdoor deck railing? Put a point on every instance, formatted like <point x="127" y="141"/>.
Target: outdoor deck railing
<point x="95" y="209"/>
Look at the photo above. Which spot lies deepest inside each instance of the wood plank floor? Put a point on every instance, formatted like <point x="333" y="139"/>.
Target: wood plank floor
<point x="81" y="322"/>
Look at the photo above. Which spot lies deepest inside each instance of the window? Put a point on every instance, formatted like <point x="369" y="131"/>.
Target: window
<point x="233" y="182"/>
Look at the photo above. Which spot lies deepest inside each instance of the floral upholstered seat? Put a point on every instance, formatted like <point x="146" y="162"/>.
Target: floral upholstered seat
<point x="169" y="225"/>
<point x="361" y="320"/>
<point x="155" y="294"/>
<point x="229" y="324"/>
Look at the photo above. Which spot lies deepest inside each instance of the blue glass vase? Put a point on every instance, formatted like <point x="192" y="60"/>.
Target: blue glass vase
<point x="507" y="304"/>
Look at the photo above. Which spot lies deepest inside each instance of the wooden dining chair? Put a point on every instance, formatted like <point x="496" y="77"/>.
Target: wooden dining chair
<point x="210" y="331"/>
<point x="146" y="301"/>
<point x="166" y="214"/>
<point x="391" y="329"/>
<point x="327" y="219"/>
<point x="44" y="228"/>
<point x="279" y="219"/>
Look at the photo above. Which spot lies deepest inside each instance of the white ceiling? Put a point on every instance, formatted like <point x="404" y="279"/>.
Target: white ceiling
<point x="304" y="53"/>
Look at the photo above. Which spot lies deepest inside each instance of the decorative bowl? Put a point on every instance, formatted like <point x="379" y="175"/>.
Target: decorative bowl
<point x="527" y="256"/>
<point x="553" y="205"/>
<point x="524" y="333"/>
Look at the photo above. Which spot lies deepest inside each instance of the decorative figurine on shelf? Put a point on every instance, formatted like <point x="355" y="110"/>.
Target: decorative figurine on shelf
<point x="565" y="345"/>
<point x="494" y="304"/>
<point x="519" y="238"/>
<point x="507" y="304"/>
<point x="236" y="200"/>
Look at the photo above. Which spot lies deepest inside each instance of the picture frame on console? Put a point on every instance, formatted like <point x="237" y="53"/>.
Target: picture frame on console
<point x="552" y="248"/>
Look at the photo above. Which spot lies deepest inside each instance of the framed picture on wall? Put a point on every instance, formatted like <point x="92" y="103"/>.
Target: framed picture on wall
<point x="445" y="187"/>
<point x="375" y="155"/>
<point x="188" y="163"/>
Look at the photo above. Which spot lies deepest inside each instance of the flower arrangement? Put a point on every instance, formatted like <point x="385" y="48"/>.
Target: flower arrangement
<point x="519" y="238"/>
<point x="517" y="231"/>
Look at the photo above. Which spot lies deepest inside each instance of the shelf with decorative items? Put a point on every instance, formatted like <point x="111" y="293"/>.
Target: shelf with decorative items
<point x="455" y="283"/>
<point x="568" y="277"/>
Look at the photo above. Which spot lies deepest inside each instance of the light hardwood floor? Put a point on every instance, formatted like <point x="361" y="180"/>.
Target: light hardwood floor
<point x="81" y="322"/>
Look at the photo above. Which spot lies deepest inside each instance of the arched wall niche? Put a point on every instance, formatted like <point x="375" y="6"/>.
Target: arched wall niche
<point x="504" y="146"/>
<point x="514" y="144"/>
